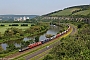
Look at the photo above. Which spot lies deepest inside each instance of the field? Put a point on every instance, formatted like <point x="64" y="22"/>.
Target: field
<point x="85" y="12"/>
<point x="3" y="28"/>
<point x="65" y="12"/>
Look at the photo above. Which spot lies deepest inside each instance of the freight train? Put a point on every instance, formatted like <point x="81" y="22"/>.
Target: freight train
<point x="44" y="41"/>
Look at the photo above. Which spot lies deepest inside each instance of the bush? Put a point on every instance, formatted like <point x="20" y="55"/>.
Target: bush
<point x="33" y="25"/>
<point x="24" y="24"/>
<point x="79" y="26"/>
<point x="48" y="57"/>
<point x="14" y="25"/>
<point x="37" y="39"/>
<point x="13" y="32"/>
<point x="2" y="25"/>
<point x="10" y="25"/>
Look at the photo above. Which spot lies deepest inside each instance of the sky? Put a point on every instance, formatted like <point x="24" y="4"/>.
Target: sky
<point x="36" y="7"/>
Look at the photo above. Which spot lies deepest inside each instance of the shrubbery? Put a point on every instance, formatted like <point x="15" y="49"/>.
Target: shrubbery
<point x="2" y="25"/>
<point x="75" y="47"/>
<point x="13" y="32"/>
<point x="14" y="25"/>
<point x="24" y="24"/>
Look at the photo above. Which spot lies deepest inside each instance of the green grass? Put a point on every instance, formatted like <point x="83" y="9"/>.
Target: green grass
<point x="40" y="55"/>
<point x="10" y="53"/>
<point x="65" y="12"/>
<point x="2" y="29"/>
<point x="85" y="12"/>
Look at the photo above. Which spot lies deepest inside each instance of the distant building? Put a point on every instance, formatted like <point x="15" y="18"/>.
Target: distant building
<point x="24" y="18"/>
<point x="0" y="19"/>
<point x="20" y="18"/>
<point x="27" y="18"/>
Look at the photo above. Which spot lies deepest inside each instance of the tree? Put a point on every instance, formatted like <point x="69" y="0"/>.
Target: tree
<point x="27" y="43"/>
<point x="22" y="44"/>
<point x="27" y="20"/>
<point x="37" y="39"/>
<point x="11" y="47"/>
<point x="48" y="57"/>
<point x="79" y="26"/>
<point x="13" y="32"/>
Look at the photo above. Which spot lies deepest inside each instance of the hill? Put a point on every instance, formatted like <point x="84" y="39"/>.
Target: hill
<point x="65" y="12"/>
<point x="75" y="10"/>
<point x="85" y="12"/>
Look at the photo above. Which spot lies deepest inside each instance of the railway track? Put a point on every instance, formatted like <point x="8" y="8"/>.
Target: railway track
<point x="31" y="55"/>
<point x="45" y="49"/>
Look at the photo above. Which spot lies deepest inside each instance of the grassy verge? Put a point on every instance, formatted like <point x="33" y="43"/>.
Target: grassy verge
<point x="41" y="47"/>
<point x="40" y="55"/>
<point x="11" y="39"/>
<point x="7" y="54"/>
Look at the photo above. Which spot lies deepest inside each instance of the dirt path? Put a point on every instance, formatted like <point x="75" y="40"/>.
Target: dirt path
<point x="74" y="29"/>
